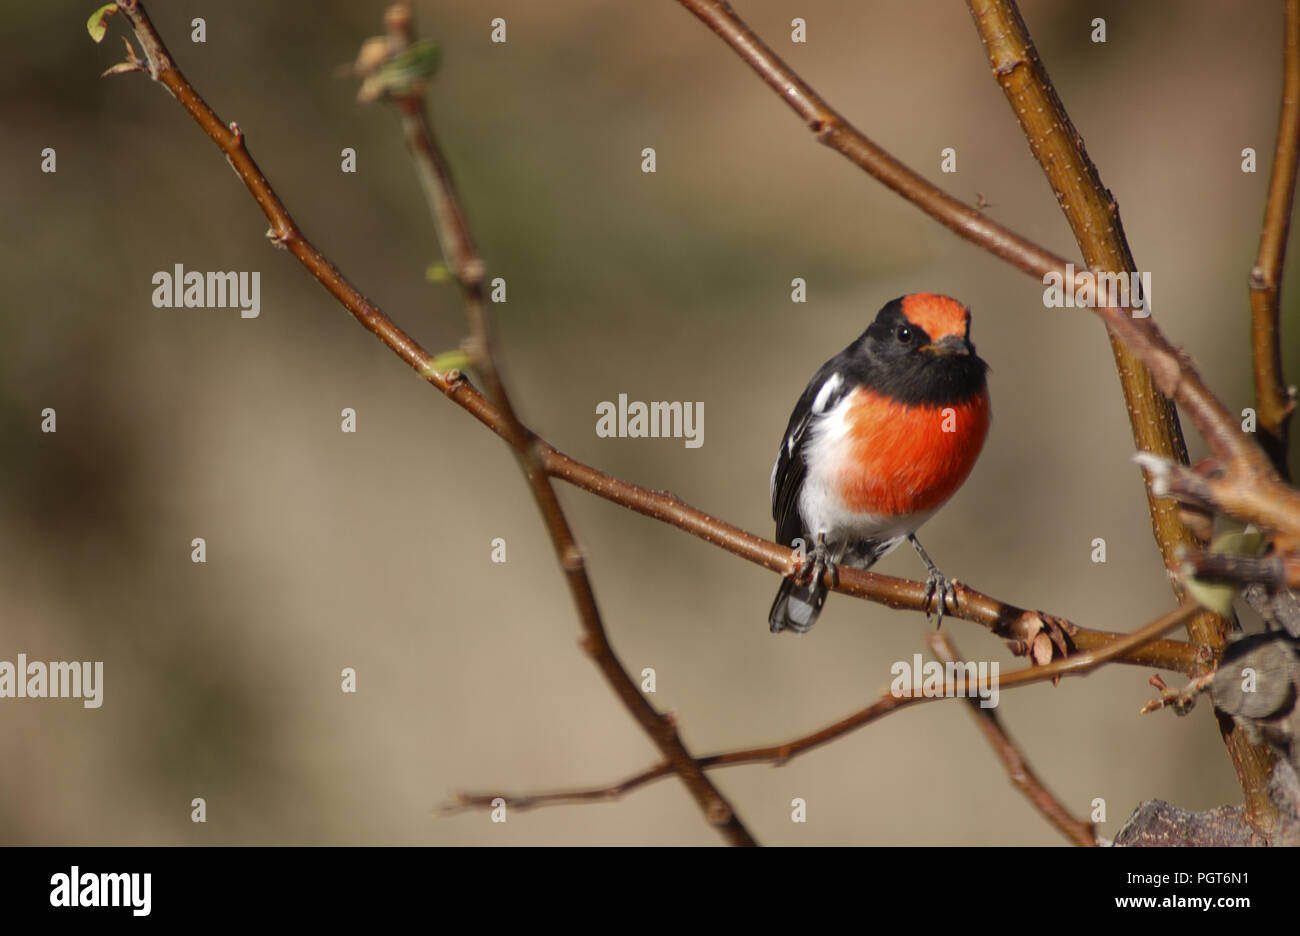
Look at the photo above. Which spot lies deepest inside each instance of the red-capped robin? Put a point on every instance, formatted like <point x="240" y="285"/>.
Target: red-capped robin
<point x="884" y="434"/>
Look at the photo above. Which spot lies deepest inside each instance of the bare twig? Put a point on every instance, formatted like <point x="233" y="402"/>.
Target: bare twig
<point x="780" y="754"/>
<point x="1180" y="700"/>
<point x="1021" y="774"/>
<point x="458" y="250"/>
<point x="832" y="129"/>
<point x="1274" y="399"/>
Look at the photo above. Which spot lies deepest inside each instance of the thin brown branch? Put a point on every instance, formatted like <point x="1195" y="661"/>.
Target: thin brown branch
<point x="1274" y="399"/>
<point x="832" y="129"/>
<point x="1180" y="700"/>
<point x="1024" y="628"/>
<point x="457" y="241"/>
<point x="780" y="754"/>
<point x="1018" y="769"/>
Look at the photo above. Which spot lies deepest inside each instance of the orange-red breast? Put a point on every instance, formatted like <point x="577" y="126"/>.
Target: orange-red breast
<point x="885" y="432"/>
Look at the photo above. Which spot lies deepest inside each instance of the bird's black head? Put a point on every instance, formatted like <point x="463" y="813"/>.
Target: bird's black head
<point x="918" y="350"/>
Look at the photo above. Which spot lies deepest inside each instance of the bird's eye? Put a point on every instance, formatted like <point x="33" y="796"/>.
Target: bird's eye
<point x="904" y="334"/>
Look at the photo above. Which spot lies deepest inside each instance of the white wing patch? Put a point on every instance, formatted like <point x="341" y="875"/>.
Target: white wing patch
<point x="833" y="383"/>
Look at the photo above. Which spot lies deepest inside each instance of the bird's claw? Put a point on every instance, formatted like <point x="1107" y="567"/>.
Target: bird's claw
<point x="936" y="584"/>
<point x="819" y="562"/>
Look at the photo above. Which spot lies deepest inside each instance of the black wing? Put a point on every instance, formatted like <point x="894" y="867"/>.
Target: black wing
<point x="829" y="385"/>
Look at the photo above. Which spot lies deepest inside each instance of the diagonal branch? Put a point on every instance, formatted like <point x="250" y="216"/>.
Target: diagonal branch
<point x="1093" y="215"/>
<point x="457" y="242"/>
<point x="780" y="754"/>
<point x="832" y="129"/>
<point x="1274" y="399"/>
<point x="1018" y="769"/>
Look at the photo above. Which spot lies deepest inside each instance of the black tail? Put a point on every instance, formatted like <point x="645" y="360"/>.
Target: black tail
<point x="796" y="606"/>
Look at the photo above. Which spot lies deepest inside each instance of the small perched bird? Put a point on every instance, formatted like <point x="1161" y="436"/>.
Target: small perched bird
<point x="884" y="434"/>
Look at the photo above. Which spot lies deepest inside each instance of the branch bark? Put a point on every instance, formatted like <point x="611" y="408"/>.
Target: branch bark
<point x="1093" y="215"/>
<point x="1275" y="400"/>
<point x="1018" y="769"/>
<point x="459" y="251"/>
<point x="780" y="754"/>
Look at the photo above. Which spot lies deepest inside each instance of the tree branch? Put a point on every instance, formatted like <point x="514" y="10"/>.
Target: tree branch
<point x="835" y="131"/>
<point x="1018" y="769"/>
<point x="1093" y="216"/>
<point x="780" y="754"/>
<point x="1274" y="399"/>
<point x="457" y="241"/>
<point x="1180" y="700"/>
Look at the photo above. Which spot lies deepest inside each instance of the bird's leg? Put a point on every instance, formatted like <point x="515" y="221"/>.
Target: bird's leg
<point x="821" y="560"/>
<point x="935" y="582"/>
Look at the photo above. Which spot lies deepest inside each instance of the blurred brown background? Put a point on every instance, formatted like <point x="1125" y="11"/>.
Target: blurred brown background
<point x="371" y="550"/>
